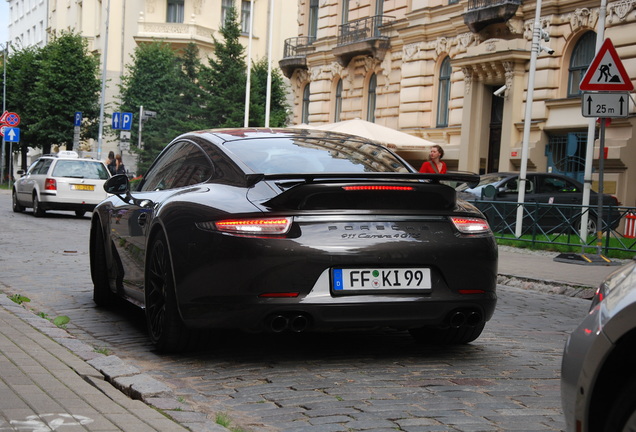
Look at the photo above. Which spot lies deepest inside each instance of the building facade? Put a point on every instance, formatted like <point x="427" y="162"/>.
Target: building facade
<point x="457" y="73"/>
<point x="113" y="28"/>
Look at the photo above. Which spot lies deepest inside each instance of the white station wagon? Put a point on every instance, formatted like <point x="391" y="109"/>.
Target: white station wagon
<point x="63" y="181"/>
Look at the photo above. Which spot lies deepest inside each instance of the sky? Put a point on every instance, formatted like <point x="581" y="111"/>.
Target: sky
<point x="4" y="21"/>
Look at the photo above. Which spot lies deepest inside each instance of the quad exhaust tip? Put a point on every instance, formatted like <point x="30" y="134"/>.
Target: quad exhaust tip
<point x="296" y="322"/>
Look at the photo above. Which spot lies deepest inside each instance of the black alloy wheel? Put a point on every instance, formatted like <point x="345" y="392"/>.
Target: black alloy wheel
<point x="102" y="294"/>
<point x="17" y="207"/>
<point x="165" y="327"/>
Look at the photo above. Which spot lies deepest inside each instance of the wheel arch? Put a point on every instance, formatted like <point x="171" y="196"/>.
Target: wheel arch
<point x="156" y="229"/>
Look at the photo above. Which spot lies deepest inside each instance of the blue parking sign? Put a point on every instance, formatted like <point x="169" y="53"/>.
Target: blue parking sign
<point x="78" y="118"/>
<point x="126" y="120"/>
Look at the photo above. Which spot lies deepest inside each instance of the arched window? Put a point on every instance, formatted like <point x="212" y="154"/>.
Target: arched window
<point x="582" y="56"/>
<point x="338" y="106"/>
<point x="373" y="83"/>
<point x="305" y="113"/>
<point x="443" y="93"/>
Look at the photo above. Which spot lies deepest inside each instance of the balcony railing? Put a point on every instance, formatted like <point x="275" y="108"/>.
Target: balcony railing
<point x="481" y="4"/>
<point x="482" y="13"/>
<point x="374" y="27"/>
<point x="297" y="46"/>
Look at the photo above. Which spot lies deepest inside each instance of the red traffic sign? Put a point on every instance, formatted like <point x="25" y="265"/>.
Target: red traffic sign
<point x="10" y="119"/>
<point x="606" y="72"/>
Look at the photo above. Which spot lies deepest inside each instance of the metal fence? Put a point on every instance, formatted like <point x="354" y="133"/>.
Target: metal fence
<point x="561" y="224"/>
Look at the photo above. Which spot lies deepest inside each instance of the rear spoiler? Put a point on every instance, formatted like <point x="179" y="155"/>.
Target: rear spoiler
<point x="469" y="178"/>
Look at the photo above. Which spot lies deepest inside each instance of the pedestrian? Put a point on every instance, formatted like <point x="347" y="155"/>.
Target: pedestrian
<point x="119" y="165"/>
<point x="111" y="163"/>
<point x="434" y="164"/>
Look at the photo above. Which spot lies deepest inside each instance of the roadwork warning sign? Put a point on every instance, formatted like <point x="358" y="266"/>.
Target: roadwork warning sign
<point x="606" y="72"/>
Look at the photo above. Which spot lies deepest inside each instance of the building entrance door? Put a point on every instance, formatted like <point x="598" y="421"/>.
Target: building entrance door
<point x="494" y="140"/>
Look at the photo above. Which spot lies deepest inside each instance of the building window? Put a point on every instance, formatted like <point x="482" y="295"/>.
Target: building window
<point x="313" y="18"/>
<point x="245" y="16"/>
<point x="226" y="5"/>
<point x="338" y="106"/>
<point x="443" y="93"/>
<point x="582" y="56"/>
<point x="345" y="12"/>
<point x="373" y="83"/>
<point x="305" y="113"/>
<point x="175" y="11"/>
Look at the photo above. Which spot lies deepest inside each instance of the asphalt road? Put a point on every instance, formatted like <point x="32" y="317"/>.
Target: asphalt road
<point x="507" y="380"/>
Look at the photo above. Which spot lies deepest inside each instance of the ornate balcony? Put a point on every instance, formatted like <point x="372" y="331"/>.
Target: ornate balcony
<point x="366" y="36"/>
<point x="295" y="54"/>
<point x="482" y="13"/>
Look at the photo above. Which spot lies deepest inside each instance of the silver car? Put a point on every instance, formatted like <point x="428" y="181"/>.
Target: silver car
<point x="598" y="373"/>
<point x="61" y="182"/>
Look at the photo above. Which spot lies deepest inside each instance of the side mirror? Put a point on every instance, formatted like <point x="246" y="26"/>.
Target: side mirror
<point x="117" y="185"/>
<point x="20" y="172"/>
<point x="489" y="192"/>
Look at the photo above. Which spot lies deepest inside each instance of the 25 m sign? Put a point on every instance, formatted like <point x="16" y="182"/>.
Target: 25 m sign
<point x="605" y="105"/>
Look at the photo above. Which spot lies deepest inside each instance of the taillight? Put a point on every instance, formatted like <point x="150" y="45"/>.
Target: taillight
<point x="50" y="184"/>
<point x="378" y="188"/>
<point x="469" y="225"/>
<point x="262" y="226"/>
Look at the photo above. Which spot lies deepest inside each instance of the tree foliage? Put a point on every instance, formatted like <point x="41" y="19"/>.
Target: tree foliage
<point x="224" y="79"/>
<point x="279" y="108"/>
<point x="158" y="80"/>
<point x="46" y="86"/>
<point x="67" y="82"/>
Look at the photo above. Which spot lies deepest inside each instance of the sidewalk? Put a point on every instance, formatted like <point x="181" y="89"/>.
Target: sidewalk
<point x="51" y="381"/>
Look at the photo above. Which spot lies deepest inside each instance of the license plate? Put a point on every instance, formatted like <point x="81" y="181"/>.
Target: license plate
<point x="385" y="279"/>
<point x="84" y="187"/>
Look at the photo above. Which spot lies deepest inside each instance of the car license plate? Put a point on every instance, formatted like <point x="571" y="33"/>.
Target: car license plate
<point x="84" y="187"/>
<point x="385" y="279"/>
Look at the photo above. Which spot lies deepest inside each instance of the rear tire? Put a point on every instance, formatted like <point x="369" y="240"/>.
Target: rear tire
<point x="17" y="207"/>
<point x="622" y="416"/>
<point x="102" y="294"/>
<point x="166" y="329"/>
<point x="447" y="335"/>
<point x="38" y="211"/>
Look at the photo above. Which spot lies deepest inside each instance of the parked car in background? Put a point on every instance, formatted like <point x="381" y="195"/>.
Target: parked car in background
<point x="553" y="202"/>
<point x="598" y="377"/>
<point x="63" y="181"/>
<point x="293" y="230"/>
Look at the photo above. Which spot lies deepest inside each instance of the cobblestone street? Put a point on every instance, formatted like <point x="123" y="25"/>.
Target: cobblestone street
<point x="507" y="380"/>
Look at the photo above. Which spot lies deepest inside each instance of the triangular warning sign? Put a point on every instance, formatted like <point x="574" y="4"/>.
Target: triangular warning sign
<point x="606" y="72"/>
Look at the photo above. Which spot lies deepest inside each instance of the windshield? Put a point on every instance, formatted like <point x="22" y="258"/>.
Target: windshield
<point x="312" y="155"/>
<point x="80" y="169"/>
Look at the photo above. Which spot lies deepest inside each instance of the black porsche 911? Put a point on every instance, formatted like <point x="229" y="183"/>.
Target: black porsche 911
<point x="293" y="230"/>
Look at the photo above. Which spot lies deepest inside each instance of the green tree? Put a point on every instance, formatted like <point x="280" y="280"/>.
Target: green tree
<point x="156" y="80"/>
<point x="22" y="66"/>
<point x="224" y="79"/>
<point x="279" y="108"/>
<point x="67" y="82"/>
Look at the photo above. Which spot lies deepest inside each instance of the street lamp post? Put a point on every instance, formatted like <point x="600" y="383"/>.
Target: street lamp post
<point x="4" y="103"/>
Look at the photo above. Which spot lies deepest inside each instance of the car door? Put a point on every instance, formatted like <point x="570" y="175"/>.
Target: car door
<point x="131" y="221"/>
<point x="561" y="198"/>
<point x="33" y="179"/>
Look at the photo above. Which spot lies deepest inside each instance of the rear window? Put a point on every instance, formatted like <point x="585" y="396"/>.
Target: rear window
<point x="80" y="169"/>
<point x="311" y="155"/>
